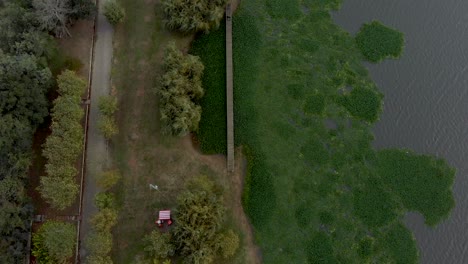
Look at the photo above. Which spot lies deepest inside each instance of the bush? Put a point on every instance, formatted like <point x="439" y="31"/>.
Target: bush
<point x="99" y="244"/>
<point x="363" y="103"/>
<point x="108" y="179"/>
<point x="377" y="42"/>
<point x="228" y="243"/>
<point x="114" y="12"/>
<point x="104" y="220"/>
<point x="108" y="127"/>
<point x="104" y="200"/>
<point x="158" y="245"/>
<point x="193" y="15"/>
<point x="55" y="241"/>
<point x="107" y="105"/>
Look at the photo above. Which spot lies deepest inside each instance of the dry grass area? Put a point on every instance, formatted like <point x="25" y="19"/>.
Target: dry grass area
<point x="144" y="155"/>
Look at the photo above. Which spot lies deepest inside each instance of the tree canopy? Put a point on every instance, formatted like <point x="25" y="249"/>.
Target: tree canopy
<point x="193" y="15"/>
<point x="180" y="90"/>
<point x="55" y="241"/>
<point x="200" y="218"/>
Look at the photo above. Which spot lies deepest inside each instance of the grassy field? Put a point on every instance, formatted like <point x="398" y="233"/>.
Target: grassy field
<point x="316" y="191"/>
<point x="139" y="150"/>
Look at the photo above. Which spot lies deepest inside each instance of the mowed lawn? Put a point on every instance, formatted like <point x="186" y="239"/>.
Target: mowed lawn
<point x="316" y="190"/>
<point x="142" y="154"/>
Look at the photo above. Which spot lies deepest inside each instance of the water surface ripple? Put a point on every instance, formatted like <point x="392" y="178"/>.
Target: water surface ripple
<point x="426" y="101"/>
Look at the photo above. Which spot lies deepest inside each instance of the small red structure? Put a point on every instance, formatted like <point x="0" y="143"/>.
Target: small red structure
<point x="164" y="216"/>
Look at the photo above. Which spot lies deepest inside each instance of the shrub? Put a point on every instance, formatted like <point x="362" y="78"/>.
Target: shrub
<point x="107" y="105"/>
<point x="108" y="127"/>
<point x="158" y="245"/>
<point x="114" y="12"/>
<point x="108" y="179"/>
<point x="363" y="103"/>
<point x="99" y="244"/>
<point x="55" y="241"/>
<point x="104" y="200"/>
<point x="377" y="42"/>
<point x="228" y="243"/>
<point x="104" y="220"/>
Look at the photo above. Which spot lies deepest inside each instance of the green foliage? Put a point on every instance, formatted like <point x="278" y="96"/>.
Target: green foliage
<point x="107" y="105"/>
<point x="363" y="103"/>
<point x="283" y="9"/>
<point x="99" y="245"/>
<point x="104" y="220"/>
<point x="200" y="216"/>
<point x="193" y="15"/>
<point x="399" y="244"/>
<point x="108" y="179"/>
<point x="423" y="183"/>
<point x="378" y="42"/>
<point x="374" y="205"/>
<point x="228" y="243"/>
<point x="114" y="12"/>
<point x="104" y="200"/>
<point x="107" y="126"/>
<point x="180" y="89"/>
<point x="63" y="147"/>
<point x="23" y="84"/>
<point x="55" y="241"/>
<point x="320" y="250"/>
<point x="95" y="259"/>
<point x="311" y="166"/>
<point x="158" y="245"/>
<point x="315" y="104"/>
<point x="212" y="127"/>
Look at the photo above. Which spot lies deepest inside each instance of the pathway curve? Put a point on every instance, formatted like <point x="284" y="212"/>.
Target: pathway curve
<point x="96" y="151"/>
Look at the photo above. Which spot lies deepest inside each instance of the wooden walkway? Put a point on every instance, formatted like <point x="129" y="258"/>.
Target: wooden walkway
<point x="229" y="91"/>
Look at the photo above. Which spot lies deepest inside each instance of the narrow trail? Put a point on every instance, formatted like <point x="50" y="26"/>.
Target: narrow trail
<point x="96" y="151"/>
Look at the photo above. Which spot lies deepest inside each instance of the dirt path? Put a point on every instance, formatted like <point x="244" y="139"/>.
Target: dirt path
<point x="96" y="152"/>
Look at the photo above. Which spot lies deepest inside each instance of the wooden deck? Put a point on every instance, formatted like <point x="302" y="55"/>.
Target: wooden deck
<point x="229" y="91"/>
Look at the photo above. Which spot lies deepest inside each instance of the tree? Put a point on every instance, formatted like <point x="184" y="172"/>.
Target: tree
<point x="93" y="259"/>
<point x="180" y="90"/>
<point x="114" y="12"/>
<point x="53" y="15"/>
<point x="59" y="192"/>
<point x="108" y="179"/>
<point x="107" y="126"/>
<point x="23" y="85"/>
<point x="104" y="200"/>
<point x="57" y="239"/>
<point x="104" y="220"/>
<point x="158" y="245"/>
<point x="193" y="15"/>
<point x="200" y="215"/>
<point x="107" y="105"/>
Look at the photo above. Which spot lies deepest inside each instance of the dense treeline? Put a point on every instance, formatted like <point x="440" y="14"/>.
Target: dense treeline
<point x="180" y="90"/>
<point x="65" y="144"/>
<point x="193" y="15"/>
<point x="27" y="53"/>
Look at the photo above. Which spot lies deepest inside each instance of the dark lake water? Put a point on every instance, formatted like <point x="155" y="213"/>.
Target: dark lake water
<point x="426" y="101"/>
